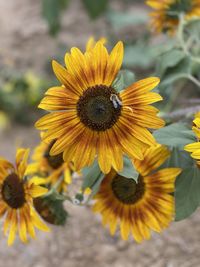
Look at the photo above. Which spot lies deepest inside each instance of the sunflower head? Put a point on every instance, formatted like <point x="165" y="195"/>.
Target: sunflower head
<point x="139" y="206"/>
<point x="167" y="12"/>
<point x="90" y="118"/>
<point x="51" y="167"/>
<point x="194" y="148"/>
<point x="16" y="198"/>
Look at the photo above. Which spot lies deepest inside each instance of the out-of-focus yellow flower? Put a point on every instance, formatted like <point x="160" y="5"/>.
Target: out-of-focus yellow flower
<point x="50" y="167"/>
<point x="16" y="199"/>
<point x="194" y="148"/>
<point x="166" y="14"/>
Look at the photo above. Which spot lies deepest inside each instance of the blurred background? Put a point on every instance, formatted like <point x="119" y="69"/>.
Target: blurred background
<point x="32" y="34"/>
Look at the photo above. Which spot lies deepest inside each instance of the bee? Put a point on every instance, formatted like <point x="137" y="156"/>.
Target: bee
<point x="116" y="101"/>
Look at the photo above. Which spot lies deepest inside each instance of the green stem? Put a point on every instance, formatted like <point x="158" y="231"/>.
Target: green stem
<point x="173" y="98"/>
<point x="55" y="187"/>
<point x="193" y="79"/>
<point x="180" y="37"/>
<point x="180" y="34"/>
<point x="195" y="59"/>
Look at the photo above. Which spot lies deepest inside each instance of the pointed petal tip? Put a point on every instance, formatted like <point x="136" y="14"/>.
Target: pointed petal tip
<point x="55" y="66"/>
<point x="54" y="63"/>
<point x="40" y="105"/>
<point x="37" y="124"/>
<point x="120" y="45"/>
<point x="156" y="80"/>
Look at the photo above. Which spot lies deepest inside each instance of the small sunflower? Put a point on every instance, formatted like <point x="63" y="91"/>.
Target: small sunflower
<point x="50" y="167"/>
<point x="89" y="117"/>
<point x="139" y="207"/>
<point x="165" y="17"/>
<point x="16" y="199"/>
<point x="194" y="148"/>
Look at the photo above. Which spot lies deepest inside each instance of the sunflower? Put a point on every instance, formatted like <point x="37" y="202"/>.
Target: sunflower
<point x="50" y="167"/>
<point x="139" y="207"/>
<point x="165" y="17"/>
<point x="88" y="117"/>
<point x="194" y="148"/>
<point x="16" y="199"/>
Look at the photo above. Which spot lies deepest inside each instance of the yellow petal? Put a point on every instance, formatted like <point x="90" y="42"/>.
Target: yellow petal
<point x="124" y="229"/>
<point x="37" y="221"/>
<point x="114" y="63"/>
<point x="13" y="228"/>
<point x="22" y="226"/>
<point x="37" y="191"/>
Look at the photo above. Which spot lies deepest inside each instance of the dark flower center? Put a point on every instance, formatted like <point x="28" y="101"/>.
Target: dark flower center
<point x="54" y="161"/>
<point x="179" y="6"/>
<point x="99" y="107"/>
<point x="13" y="191"/>
<point x="127" y="190"/>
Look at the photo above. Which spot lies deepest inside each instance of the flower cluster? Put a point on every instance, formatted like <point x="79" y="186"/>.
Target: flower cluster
<point x="105" y="134"/>
<point x="91" y="120"/>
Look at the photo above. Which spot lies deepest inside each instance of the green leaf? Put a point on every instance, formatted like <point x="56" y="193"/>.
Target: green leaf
<point x="143" y="54"/>
<point x="121" y="20"/>
<point x="129" y="170"/>
<point x="90" y="175"/>
<point x="175" y="135"/>
<point x="95" y="8"/>
<point x="187" y="193"/>
<point x="123" y="80"/>
<point x="51" y="10"/>
<point x="96" y="185"/>
<point x="179" y="159"/>
<point x="180" y="71"/>
<point x="92" y="178"/>
<point x="193" y="28"/>
<point x="140" y="55"/>
<point x="168" y="60"/>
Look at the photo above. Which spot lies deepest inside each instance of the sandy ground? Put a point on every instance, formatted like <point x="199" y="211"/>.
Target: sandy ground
<point x="83" y="242"/>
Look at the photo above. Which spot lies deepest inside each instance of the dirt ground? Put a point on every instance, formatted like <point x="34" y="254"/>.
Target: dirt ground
<point x="83" y="242"/>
